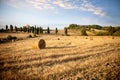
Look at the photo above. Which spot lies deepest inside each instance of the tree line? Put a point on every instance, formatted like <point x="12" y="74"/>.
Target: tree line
<point x="110" y="30"/>
<point x="29" y="29"/>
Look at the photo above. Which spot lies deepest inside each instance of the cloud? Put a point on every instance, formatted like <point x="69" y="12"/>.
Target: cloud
<point x="40" y="4"/>
<point x="66" y="4"/>
<point x="14" y="3"/>
<point x="87" y="6"/>
<point x="84" y="5"/>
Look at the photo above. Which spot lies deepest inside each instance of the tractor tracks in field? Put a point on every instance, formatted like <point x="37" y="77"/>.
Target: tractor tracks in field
<point x="95" y="51"/>
<point x="28" y="58"/>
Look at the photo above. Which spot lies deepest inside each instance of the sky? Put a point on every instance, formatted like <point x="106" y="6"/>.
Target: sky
<point x="59" y="13"/>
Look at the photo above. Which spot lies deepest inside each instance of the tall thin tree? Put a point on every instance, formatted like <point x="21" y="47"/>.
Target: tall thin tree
<point x="16" y="29"/>
<point x="65" y="30"/>
<point x="11" y="28"/>
<point x="6" y="27"/>
<point x="56" y="31"/>
<point x="48" y="30"/>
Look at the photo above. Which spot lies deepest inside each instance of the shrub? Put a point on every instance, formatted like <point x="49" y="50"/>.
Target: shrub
<point x="83" y="32"/>
<point x="111" y="30"/>
<point x="117" y="33"/>
<point x="35" y="35"/>
<point x="14" y="37"/>
<point x="1" y="40"/>
<point x="102" y="33"/>
<point x="29" y="36"/>
<point x="9" y="37"/>
<point x="41" y="44"/>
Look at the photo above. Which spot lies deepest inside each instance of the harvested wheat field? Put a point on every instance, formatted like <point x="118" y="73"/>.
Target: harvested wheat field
<point x="64" y="58"/>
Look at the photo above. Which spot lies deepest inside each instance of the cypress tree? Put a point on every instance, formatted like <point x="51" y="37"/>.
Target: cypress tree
<point x="65" y="30"/>
<point x="56" y="31"/>
<point x="6" y="27"/>
<point x="11" y="28"/>
<point x="16" y="29"/>
<point x="48" y="30"/>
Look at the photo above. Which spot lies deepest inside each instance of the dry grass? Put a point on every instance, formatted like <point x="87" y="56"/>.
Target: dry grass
<point x="18" y="35"/>
<point x="69" y="58"/>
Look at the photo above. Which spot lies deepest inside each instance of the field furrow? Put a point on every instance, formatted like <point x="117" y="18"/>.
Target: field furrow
<point x="70" y="60"/>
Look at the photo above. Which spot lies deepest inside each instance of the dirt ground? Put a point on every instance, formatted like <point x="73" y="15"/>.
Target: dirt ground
<point x="64" y="58"/>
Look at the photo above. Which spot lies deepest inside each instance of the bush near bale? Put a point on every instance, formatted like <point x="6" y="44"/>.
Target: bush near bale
<point x="29" y="36"/>
<point x="14" y="37"/>
<point x="3" y="40"/>
<point x="35" y="35"/>
<point x="9" y="37"/>
<point x="41" y="44"/>
<point x="83" y="32"/>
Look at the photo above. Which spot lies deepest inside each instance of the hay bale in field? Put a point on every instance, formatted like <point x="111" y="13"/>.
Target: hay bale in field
<point x="91" y="38"/>
<point x="112" y="37"/>
<point x="41" y="44"/>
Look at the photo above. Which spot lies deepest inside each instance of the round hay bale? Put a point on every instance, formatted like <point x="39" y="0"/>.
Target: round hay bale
<point x="41" y="44"/>
<point x="112" y="37"/>
<point x="91" y="38"/>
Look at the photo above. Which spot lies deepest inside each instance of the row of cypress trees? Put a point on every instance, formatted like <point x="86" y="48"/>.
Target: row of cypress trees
<point x="38" y="30"/>
<point x="32" y="29"/>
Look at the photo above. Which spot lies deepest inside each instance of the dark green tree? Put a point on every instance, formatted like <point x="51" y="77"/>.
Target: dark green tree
<point x="6" y="27"/>
<point x="28" y="29"/>
<point x="32" y="29"/>
<point x="111" y="30"/>
<point x="66" y="31"/>
<point x="21" y="29"/>
<point x="73" y="26"/>
<point x="117" y="33"/>
<point x="40" y="30"/>
<point x="56" y="31"/>
<point x="89" y="28"/>
<point x="35" y="30"/>
<point x="83" y="32"/>
<point x="11" y="28"/>
<point x="16" y="29"/>
<point x="24" y="29"/>
<point x="48" y="30"/>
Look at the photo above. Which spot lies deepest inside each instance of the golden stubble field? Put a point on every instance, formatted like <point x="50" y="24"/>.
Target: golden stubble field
<point x="65" y="58"/>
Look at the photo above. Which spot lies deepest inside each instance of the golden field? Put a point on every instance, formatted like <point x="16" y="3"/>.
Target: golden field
<point x="64" y="58"/>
